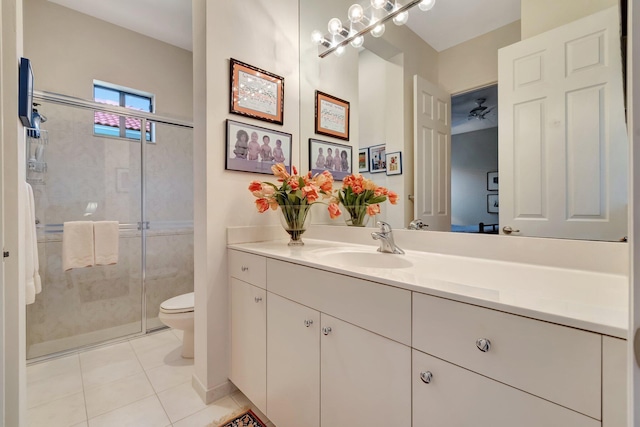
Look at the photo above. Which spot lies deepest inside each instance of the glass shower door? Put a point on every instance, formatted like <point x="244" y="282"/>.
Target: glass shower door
<point x="168" y="171"/>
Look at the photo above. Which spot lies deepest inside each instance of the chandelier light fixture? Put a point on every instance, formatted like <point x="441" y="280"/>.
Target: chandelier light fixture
<point x="364" y="18"/>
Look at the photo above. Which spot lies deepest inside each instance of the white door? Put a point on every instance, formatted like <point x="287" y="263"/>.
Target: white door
<point x="365" y="378"/>
<point x="293" y="363"/>
<point x="432" y="154"/>
<point x="249" y="341"/>
<point x="562" y="136"/>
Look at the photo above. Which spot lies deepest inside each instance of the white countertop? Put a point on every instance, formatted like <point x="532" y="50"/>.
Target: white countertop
<point x="591" y="301"/>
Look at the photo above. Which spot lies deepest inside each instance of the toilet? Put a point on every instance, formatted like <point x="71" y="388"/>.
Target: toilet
<point x="177" y="313"/>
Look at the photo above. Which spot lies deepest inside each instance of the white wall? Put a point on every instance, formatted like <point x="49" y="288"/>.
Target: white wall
<point x="539" y="16"/>
<point x="473" y="154"/>
<point x="221" y="197"/>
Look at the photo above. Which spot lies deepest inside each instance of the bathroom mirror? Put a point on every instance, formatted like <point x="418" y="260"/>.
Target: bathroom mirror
<point x="377" y="80"/>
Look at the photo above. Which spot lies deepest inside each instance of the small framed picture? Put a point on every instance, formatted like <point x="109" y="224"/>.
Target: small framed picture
<point x="377" y="159"/>
<point x="252" y="148"/>
<point x="492" y="181"/>
<point x="332" y="116"/>
<point x="336" y="158"/>
<point x="363" y="160"/>
<point x="256" y="93"/>
<point x="394" y="163"/>
<point x="493" y="204"/>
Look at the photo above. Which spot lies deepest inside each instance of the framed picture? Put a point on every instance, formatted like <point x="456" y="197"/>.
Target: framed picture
<point x="493" y="204"/>
<point x="377" y="159"/>
<point x="252" y="148"/>
<point x="363" y="160"/>
<point x="332" y="116"/>
<point x="256" y="93"/>
<point x="394" y="163"/>
<point x="336" y="158"/>
<point x="25" y="93"/>
<point x="492" y="181"/>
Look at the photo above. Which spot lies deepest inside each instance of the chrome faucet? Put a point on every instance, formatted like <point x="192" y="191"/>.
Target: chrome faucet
<point x="417" y="224"/>
<point x="385" y="235"/>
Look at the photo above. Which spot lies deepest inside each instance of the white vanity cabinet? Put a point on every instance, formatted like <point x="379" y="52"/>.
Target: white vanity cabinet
<point x="248" y="370"/>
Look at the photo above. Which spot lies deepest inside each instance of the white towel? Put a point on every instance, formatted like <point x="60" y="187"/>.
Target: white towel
<point x="107" y="237"/>
<point x="32" y="282"/>
<point x="77" y="245"/>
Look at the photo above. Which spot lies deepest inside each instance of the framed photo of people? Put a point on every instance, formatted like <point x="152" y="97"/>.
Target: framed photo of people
<point x="377" y="159"/>
<point x="332" y="116"/>
<point x="256" y="93"/>
<point x="363" y="160"/>
<point x="252" y="148"/>
<point x="394" y="163"/>
<point x="336" y="158"/>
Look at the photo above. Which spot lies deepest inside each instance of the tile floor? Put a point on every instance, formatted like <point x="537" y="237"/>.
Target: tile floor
<point x="143" y="382"/>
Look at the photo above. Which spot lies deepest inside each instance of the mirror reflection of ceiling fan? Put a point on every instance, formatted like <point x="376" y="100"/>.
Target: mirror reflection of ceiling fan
<point x="480" y="111"/>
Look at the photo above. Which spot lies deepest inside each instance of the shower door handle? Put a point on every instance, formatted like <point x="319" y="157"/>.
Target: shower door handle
<point x="144" y="224"/>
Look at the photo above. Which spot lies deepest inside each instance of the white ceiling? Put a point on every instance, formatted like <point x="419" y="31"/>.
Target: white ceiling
<point x="462" y="104"/>
<point x="449" y="23"/>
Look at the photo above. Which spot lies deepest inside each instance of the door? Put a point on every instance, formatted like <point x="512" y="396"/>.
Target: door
<point x="365" y="378"/>
<point x="432" y="151"/>
<point x="293" y="363"/>
<point x="249" y="341"/>
<point x="562" y="137"/>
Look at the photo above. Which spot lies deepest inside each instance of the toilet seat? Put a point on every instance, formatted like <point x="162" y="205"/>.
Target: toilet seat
<point x="180" y="304"/>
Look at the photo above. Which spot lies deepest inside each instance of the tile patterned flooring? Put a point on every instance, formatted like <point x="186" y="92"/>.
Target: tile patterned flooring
<point x="143" y="382"/>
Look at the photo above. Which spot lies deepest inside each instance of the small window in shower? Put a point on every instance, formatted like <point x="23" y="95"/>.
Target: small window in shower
<point x="114" y="125"/>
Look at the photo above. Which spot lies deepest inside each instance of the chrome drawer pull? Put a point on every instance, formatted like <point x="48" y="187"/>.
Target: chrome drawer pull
<point x="426" y="377"/>
<point x="243" y="268"/>
<point x="258" y="299"/>
<point x="483" y="344"/>
<point x="326" y="330"/>
<point x="308" y="323"/>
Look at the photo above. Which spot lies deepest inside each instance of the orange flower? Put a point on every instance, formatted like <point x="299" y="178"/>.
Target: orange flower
<point x="393" y="197"/>
<point x="255" y="186"/>
<point x="281" y="172"/>
<point x="262" y="205"/>
<point x="295" y="171"/>
<point x="273" y="203"/>
<point x="373" y="209"/>
<point x="294" y="183"/>
<point x="324" y="181"/>
<point x="369" y="185"/>
<point x="380" y="191"/>
<point x="334" y="210"/>
<point x="310" y="192"/>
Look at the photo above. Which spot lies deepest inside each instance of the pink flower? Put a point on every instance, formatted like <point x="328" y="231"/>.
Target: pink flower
<point x="373" y="209"/>
<point x="334" y="210"/>
<point x="393" y="197"/>
<point x="281" y="172"/>
<point x="262" y="205"/>
<point x="295" y="171"/>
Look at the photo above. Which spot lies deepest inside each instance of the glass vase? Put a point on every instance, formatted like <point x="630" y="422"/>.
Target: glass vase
<point x="295" y="219"/>
<point x="356" y="216"/>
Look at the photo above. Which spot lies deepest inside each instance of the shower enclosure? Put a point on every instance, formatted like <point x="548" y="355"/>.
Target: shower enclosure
<point x="145" y="182"/>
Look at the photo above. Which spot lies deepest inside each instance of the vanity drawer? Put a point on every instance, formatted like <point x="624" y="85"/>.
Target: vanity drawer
<point x="554" y="362"/>
<point x="382" y="309"/>
<point x="247" y="267"/>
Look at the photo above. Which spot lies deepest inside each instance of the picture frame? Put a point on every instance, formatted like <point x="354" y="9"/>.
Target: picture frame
<point x="492" y="181"/>
<point x="394" y="163"/>
<point x="256" y="93"/>
<point x="493" y="203"/>
<point x="319" y="151"/>
<point x="25" y="92"/>
<point x="241" y="154"/>
<point x="363" y="160"/>
<point x="331" y="116"/>
<point x="377" y="159"/>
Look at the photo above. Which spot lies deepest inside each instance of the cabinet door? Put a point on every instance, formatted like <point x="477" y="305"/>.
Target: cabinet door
<point x="293" y="363"/>
<point x="614" y="382"/>
<point x="249" y="341"/>
<point x="365" y="378"/>
<point x="456" y="397"/>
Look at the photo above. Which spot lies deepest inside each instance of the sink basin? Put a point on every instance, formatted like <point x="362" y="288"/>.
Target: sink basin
<point x="365" y="259"/>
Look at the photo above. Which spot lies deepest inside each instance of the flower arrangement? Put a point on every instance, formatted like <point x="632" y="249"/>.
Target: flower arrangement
<point x="361" y="199"/>
<point x="294" y="196"/>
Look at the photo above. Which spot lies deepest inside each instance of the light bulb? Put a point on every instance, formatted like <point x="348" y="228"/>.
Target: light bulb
<point x="316" y="37"/>
<point x="378" y="30"/>
<point x="335" y="26"/>
<point x="357" y="42"/>
<point x="356" y="13"/>
<point x="378" y="4"/>
<point x="339" y="51"/>
<point x="425" y="5"/>
<point x="401" y="18"/>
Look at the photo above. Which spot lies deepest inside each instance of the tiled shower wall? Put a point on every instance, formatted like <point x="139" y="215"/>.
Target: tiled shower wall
<point x="76" y="305"/>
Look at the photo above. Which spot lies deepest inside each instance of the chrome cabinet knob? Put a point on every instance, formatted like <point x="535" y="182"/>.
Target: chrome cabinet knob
<point x="426" y="377"/>
<point x="509" y="230"/>
<point x="483" y="345"/>
<point x="308" y="322"/>
<point x="326" y="330"/>
<point x="243" y="268"/>
<point x="258" y="299"/>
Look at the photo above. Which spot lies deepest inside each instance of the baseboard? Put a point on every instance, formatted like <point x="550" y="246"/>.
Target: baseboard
<point x="212" y="394"/>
